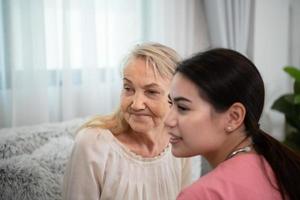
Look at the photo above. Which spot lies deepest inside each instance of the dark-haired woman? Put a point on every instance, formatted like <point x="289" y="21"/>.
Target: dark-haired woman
<point x="216" y="101"/>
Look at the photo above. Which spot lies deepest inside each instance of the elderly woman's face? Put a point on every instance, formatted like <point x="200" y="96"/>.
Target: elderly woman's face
<point x="144" y="99"/>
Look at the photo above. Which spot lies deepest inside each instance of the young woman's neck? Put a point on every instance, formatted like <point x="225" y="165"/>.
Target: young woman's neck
<point x="233" y="146"/>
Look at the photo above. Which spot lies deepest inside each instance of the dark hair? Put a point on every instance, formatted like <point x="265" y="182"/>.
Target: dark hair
<point x="224" y="77"/>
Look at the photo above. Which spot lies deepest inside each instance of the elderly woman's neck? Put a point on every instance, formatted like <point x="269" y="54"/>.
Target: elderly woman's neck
<point x="148" y="144"/>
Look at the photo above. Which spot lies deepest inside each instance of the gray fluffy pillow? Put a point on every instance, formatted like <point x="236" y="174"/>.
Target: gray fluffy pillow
<point x="24" y="140"/>
<point x="37" y="176"/>
<point x="25" y="144"/>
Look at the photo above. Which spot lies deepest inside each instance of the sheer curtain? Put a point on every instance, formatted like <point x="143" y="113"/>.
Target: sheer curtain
<point x="230" y="24"/>
<point x="179" y="24"/>
<point x="61" y="59"/>
<point x="294" y="33"/>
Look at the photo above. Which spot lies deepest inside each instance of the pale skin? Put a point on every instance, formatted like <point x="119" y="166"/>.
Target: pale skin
<point x="196" y="128"/>
<point x="144" y="103"/>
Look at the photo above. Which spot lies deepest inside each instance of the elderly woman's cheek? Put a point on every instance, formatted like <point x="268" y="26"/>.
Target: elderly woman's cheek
<point x="163" y="109"/>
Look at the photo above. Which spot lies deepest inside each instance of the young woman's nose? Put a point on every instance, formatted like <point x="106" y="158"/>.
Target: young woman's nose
<point x="170" y="120"/>
<point x="138" y="102"/>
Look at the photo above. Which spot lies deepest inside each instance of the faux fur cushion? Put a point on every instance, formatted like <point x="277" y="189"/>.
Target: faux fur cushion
<point x="24" y="140"/>
<point x="37" y="176"/>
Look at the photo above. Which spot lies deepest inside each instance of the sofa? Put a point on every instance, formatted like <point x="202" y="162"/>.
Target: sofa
<point x="33" y="160"/>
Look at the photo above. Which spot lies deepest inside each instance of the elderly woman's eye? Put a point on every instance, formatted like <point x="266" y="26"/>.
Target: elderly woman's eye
<point x="127" y="88"/>
<point x="152" y="92"/>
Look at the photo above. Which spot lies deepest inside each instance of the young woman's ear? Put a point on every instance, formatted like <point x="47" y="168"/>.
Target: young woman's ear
<point x="235" y="117"/>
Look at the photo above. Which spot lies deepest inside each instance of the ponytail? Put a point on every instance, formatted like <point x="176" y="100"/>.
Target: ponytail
<point x="284" y="162"/>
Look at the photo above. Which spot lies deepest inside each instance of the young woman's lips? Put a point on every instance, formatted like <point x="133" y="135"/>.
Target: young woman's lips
<point x="175" y="139"/>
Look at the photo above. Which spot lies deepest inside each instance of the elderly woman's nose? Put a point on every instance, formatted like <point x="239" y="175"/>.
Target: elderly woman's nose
<point x="138" y="101"/>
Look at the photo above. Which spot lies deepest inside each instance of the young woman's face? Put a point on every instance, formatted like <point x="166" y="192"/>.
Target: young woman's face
<point x="144" y="98"/>
<point x="195" y="127"/>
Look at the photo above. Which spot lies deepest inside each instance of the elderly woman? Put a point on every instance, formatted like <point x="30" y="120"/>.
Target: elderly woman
<point x="127" y="155"/>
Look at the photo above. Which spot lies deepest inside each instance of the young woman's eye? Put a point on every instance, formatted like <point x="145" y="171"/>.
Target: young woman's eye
<point x="182" y="108"/>
<point x="126" y="88"/>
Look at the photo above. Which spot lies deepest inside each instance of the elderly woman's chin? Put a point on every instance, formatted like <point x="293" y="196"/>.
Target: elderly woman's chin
<point x="141" y="126"/>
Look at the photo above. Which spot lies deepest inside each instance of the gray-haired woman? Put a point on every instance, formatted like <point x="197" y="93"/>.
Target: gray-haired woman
<point x="127" y="155"/>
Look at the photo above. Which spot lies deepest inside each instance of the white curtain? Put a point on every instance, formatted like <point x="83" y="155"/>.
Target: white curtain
<point x="61" y="59"/>
<point x="179" y="24"/>
<point x="294" y="33"/>
<point x="230" y="24"/>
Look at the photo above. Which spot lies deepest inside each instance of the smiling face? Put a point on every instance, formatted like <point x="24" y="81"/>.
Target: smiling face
<point x="194" y="125"/>
<point x="144" y="100"/>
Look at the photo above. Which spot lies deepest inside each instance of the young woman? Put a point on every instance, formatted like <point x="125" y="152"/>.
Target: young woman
<point x="216" y="101"/>
<point x="127" y="155"/>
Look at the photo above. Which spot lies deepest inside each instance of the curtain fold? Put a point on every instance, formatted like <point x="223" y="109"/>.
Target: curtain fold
<point x="179" y="24"/>
<point x="5" y="94"/>
<point x="63" y="57"/>
<point x="294" y="33"/>
<point x="230" y="24"/>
